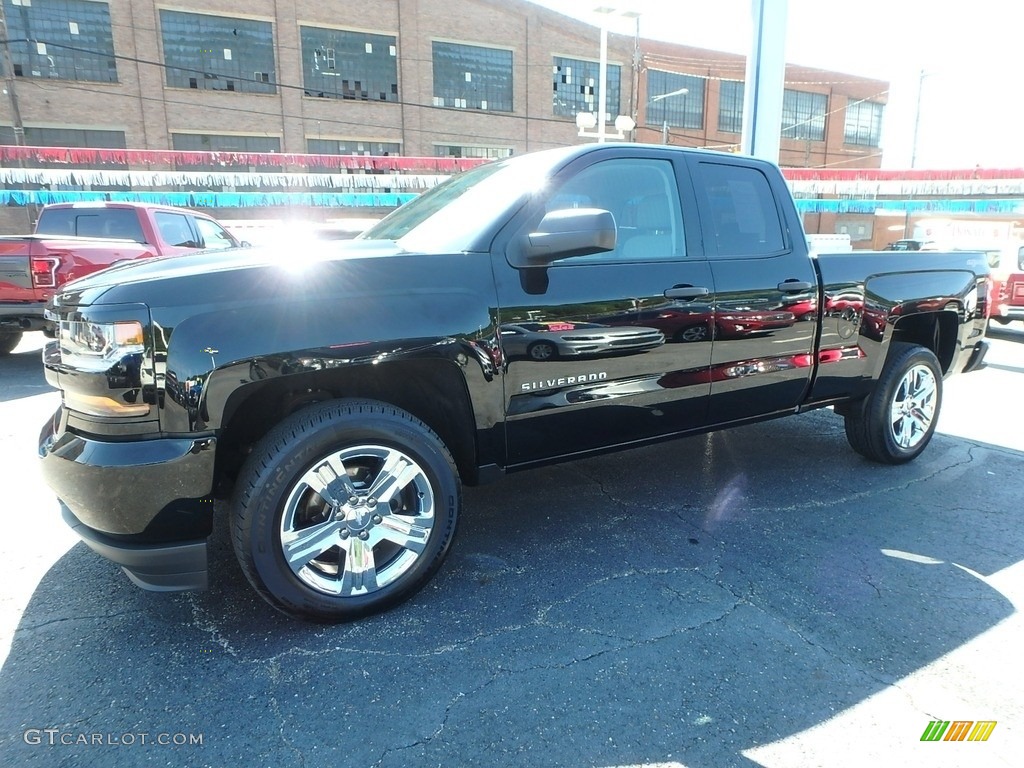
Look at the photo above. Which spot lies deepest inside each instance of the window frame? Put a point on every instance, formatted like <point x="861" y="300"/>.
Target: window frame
<point x="799" y="118"/>
<point x="856" y="108"/>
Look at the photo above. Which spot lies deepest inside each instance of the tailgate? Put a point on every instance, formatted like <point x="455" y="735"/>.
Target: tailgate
<point x="1015" y="289"/>
<point x="15" y="271"/>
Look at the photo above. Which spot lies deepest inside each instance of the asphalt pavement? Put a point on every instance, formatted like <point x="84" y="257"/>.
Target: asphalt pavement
<point x="756" y="597"/>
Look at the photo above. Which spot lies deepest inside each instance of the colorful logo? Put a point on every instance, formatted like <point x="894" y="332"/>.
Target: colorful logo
<point x="958" y="730"/>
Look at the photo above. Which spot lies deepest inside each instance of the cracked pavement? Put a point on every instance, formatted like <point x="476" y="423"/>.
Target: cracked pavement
<point x="760" y="596"/>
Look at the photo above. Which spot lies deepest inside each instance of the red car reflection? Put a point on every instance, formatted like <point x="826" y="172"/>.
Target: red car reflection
<point x="700" y="322"/>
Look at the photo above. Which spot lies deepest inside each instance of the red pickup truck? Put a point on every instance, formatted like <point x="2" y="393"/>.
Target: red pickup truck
<point x="75" y="239"/>
<point x="1007" y="299"/>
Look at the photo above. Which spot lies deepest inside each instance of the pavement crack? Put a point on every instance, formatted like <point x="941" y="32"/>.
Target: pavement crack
<point x="42" y="624"/>
<point x="202" y="621"/>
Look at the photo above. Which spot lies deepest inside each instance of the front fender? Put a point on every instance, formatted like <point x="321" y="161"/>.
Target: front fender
<point x="213" y="354"/>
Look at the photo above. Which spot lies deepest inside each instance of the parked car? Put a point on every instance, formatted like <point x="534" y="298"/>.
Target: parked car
<point x="341" y="400"/>
<point x="72" y="240"/>
<point x="911" y="245"/>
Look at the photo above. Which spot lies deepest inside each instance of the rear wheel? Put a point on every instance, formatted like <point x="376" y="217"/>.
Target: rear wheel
<point x="345" y="509"/>
<point x="8" y="341"/>
<point x="896" y="422"/>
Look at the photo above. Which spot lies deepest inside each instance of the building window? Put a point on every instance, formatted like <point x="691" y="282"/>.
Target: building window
<point x="490" y="153"/>
<point x="574" y="83"/>
<point x="680" y="110"/>
<point x="218" y="53"/>
<point x="730" y="106"/>
<point x="859" y="229"/>
<point x="472" y="77"/>
<point x="71" y="137"/>
<point x="339" y="64"/>
<point x="863" y="123"/>
<point x="68" y="137"/>
<point x="803" y="115"/>
<point x="352" y="147"/>
<point x="61" y="39"/>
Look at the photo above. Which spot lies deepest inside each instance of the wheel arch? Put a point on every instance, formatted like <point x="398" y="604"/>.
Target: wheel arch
<point x="432" y="390"/>
<point x="936" y="331"/>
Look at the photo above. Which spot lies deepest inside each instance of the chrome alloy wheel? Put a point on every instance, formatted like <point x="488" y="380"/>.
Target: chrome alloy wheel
<point x="913" y="406"/>
<point x="357" y="520"/>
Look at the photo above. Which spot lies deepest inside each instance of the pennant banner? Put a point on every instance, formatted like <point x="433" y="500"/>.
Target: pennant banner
<point x="142" y="157"/>
<point x="209" y="180"/>
<point x="19" y="197"/>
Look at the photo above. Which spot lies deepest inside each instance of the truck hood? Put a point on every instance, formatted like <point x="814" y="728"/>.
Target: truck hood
<point x="211" y="262"/>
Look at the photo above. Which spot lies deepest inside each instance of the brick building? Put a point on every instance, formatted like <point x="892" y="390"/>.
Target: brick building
<point x="393" y="76"/>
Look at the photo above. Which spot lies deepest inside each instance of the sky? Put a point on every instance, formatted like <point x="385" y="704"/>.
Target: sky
<point x="965" y="57"/>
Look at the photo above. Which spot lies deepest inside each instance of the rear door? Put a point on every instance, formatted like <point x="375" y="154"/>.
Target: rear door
<point x="766" y="294"/>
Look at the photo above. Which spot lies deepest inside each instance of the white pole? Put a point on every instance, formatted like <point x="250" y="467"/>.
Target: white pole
<point x="766" y="80"/>
<point x="602" y="82"/>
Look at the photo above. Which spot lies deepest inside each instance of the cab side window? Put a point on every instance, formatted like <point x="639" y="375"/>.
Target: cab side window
<point x="174" y="230"/>
<point x="643" y="198"/>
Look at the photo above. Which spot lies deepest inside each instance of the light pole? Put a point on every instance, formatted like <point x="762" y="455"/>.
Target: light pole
<point x="586" y="120"/>
<point x="662" y="97"/>
<point x="917" y="115"/>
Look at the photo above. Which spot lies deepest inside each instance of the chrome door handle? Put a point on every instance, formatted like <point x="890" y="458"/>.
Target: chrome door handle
<point x="685" y="292"/>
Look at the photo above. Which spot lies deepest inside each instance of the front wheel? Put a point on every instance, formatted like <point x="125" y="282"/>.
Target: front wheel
<point x="346" y="508"/>
<point x="542" y="350"/>
<point x="897" y="421"/>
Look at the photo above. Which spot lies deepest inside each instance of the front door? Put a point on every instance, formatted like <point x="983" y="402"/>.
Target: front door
<point x="600" y="349"/>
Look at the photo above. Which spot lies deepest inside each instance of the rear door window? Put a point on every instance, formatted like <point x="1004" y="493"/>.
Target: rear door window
<point x="740" y="215"/>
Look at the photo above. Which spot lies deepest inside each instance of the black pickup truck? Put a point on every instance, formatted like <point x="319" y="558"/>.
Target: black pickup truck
<point x="532" y="310"/>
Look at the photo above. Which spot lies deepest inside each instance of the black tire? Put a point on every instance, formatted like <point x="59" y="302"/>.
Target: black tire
<point x="896" y="422"/>
<point x="387" y="457"/>
<point x="542" y="350"/>
<point x="8" y="341"/>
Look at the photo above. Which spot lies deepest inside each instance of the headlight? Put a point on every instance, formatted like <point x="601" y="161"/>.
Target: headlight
<point x="96" y="347"/>
<point x="113" y="352"/>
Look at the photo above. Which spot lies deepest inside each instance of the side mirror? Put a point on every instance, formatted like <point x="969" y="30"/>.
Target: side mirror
<point x="569" y="232"/>
<point x="245" y="244"/>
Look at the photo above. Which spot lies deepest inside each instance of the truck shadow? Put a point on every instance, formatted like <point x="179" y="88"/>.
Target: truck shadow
<point x="22" y="375"/>
<point x="678" y="603"/>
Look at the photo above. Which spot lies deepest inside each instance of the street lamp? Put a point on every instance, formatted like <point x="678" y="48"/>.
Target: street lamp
<point x="661" y="97"/>
<point x="587" y="120"/>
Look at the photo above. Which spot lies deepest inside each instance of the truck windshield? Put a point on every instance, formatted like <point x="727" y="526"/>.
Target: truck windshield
<point x="451" y="216"/>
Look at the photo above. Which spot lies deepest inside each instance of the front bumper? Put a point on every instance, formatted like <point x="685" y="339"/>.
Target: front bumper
<point x="977" y="358"/>
<point x="156" y="567"/>
<point x="145" y="504"/>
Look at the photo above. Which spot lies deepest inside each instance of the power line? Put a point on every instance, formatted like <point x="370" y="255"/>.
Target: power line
<point x="335" y="121"/>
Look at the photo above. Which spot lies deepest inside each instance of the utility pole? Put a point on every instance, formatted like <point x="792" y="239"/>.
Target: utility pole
<point x="9" y="78"/>
<point x="12" y="96"/>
